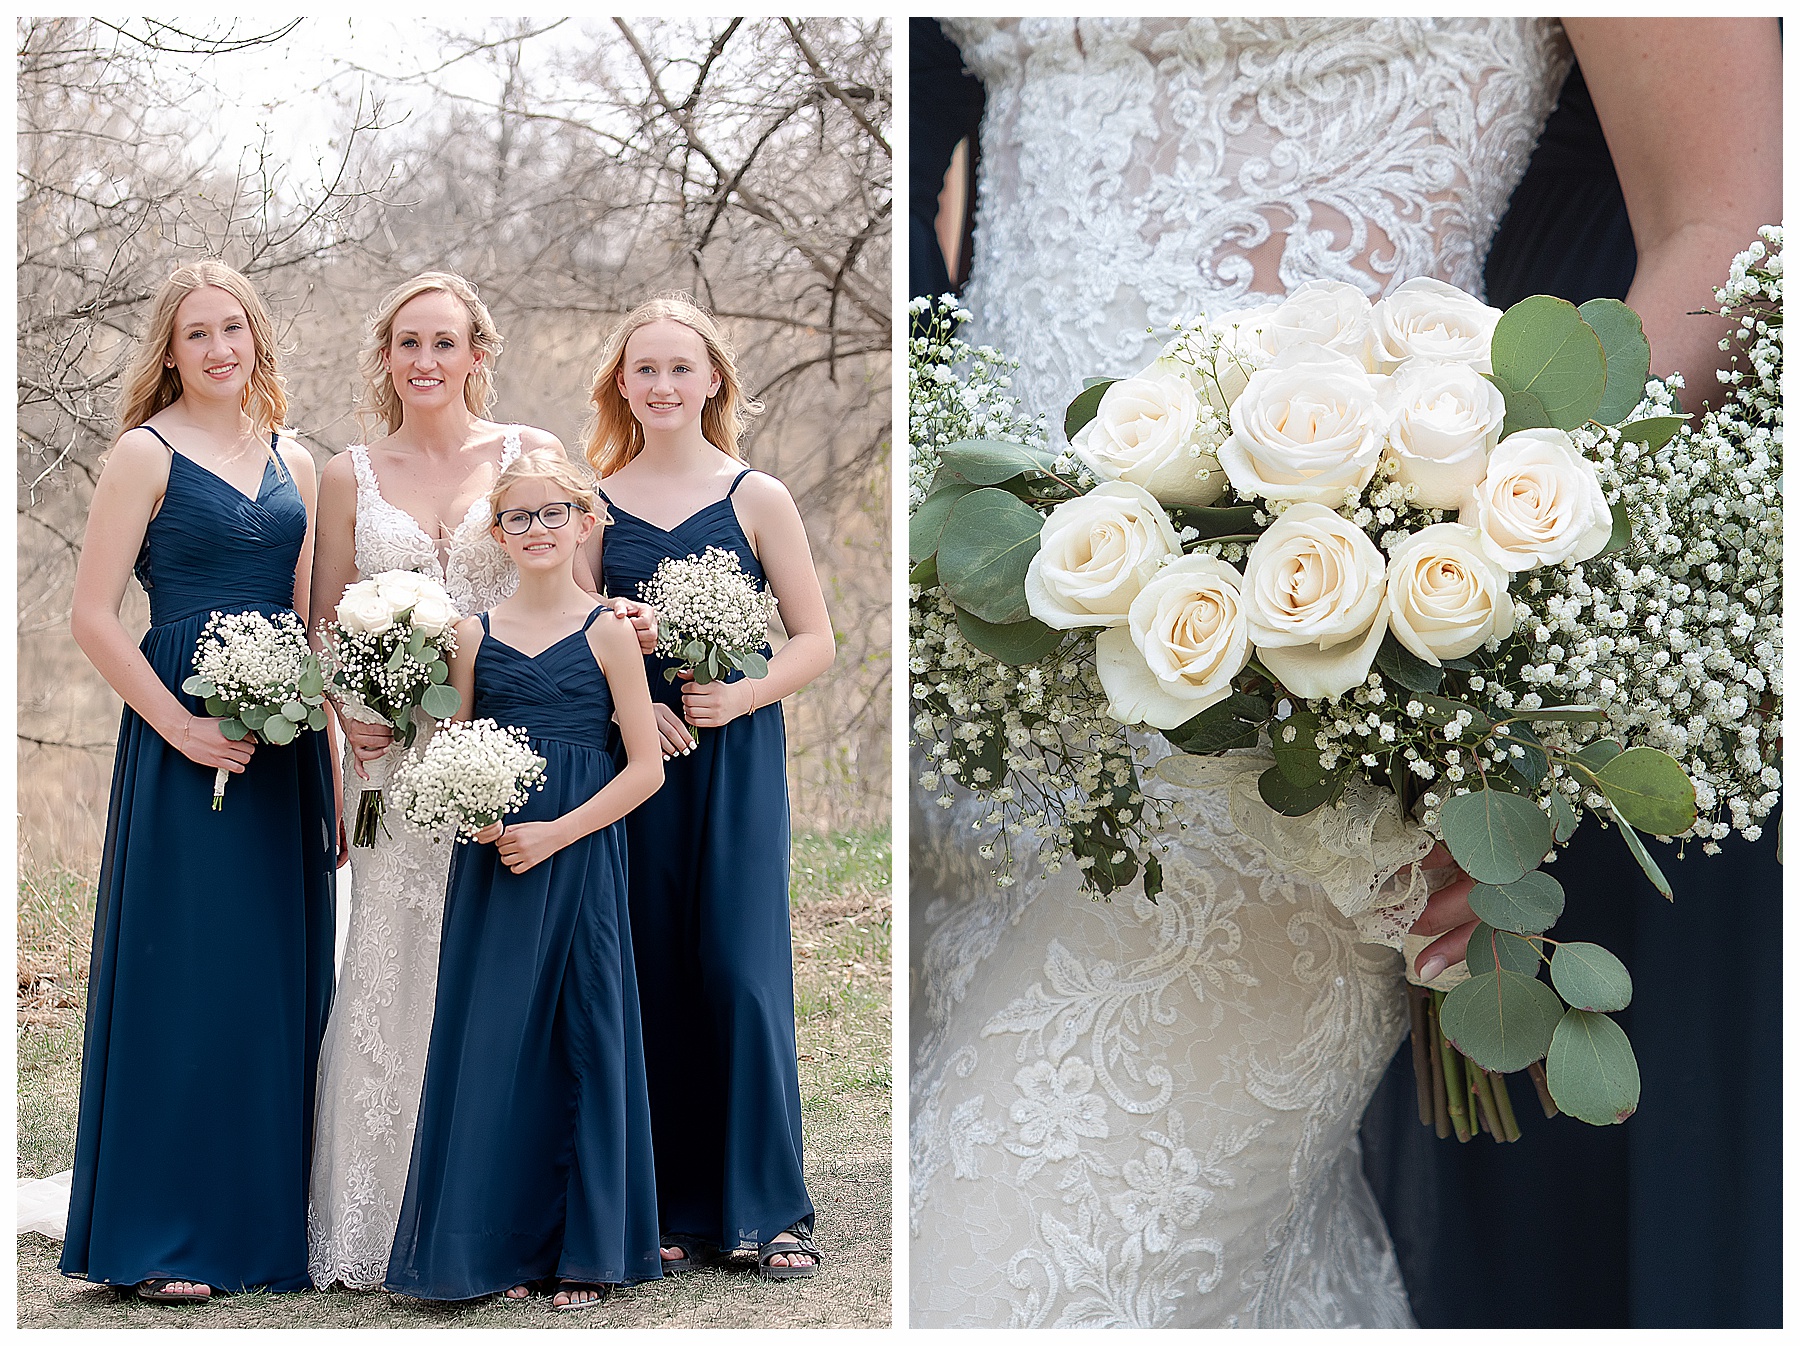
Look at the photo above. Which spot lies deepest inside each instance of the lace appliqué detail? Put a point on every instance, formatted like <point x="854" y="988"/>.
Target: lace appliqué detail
<point x="372" y="1062"/>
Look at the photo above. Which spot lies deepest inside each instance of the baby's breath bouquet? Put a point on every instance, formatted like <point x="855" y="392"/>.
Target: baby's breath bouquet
<point x="711" y="616"/>
<point x="259" y="674"/>
<point x="388" y="653"/>
<point x="471" y="775"/>
<point x="1473" y="561"/>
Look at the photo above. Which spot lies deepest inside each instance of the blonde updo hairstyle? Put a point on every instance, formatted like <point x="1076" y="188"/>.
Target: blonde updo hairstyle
<point x="614" y="437"/>
<point x="380" y="403"/>
<point x="545" y="465"/>
<point x="152" y="382"/>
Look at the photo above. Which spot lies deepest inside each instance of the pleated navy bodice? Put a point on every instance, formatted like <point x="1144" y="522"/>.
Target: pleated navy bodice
<point x="560" y="694"/>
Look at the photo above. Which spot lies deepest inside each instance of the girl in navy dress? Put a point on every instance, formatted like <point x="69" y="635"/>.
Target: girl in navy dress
<point x="213" y="931"/>
<point x="709" y="851"/>
<point x="531" y="1160"/>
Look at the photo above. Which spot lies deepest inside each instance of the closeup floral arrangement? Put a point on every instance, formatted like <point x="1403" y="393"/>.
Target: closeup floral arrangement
<point x="471" y="775"/>
<point x="711" y="616"/>
<point x="258" y="674"/>
<point x="1477" y="559"/>
<point x="387" y="653"/>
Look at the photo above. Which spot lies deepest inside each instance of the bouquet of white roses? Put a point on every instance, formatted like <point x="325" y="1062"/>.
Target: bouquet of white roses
<point x="259" y="674"/>
<point x="388" y="653"/>
<point x="711" y="616"/>
<point x="1469" y="557"/>
<point x="472" y="774"/>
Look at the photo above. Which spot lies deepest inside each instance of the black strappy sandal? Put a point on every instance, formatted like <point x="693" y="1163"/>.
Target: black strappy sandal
<point x="690" y="1259"/>
<point x="157" y="1291"/>
<point x="574" y="1287"/>
<point x="786" y="1244"/>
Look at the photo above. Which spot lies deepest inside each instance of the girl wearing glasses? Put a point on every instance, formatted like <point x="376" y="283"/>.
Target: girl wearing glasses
<point x="532" y="1157"/>
<point x="709" y="851"/>
<point x="414" y="499"/>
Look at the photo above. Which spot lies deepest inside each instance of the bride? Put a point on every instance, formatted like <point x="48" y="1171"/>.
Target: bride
<point x="1137" y="1114"/>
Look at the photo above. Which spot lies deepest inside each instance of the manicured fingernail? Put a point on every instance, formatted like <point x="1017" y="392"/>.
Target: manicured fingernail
<point x="1432" y="966"/>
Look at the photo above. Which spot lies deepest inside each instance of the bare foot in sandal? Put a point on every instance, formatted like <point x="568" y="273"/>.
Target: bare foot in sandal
<point x="575" y="1295"/>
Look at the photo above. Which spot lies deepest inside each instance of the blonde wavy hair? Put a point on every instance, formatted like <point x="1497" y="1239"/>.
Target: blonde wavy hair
<point x="549" y="465"/>
<point x="152" y="382"/>
<point x="614" y="436"/>
<point x="379" y="403"/>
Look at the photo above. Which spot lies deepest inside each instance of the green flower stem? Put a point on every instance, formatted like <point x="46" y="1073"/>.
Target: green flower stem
<point x="1539" y="1079"/>
<point x="1509" y="1122"/>
<point x="1416" y="996"/>
<point x="1483" y="1088"/>
<point x="1440" y="1102"/>
<point x="1455" y="1084"/>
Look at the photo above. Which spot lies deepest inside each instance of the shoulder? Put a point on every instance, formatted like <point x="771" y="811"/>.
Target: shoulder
<point x="340" y="470"/>
<point x="297" y="458"/>
<point x="530" y="438"/>
<point x="138" y="452"/>
<point x="468" y="634"/>
<point x="761" y="495"/>
<point x="613" y="637"/>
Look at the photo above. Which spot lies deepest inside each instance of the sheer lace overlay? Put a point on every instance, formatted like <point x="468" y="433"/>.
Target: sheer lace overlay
<point x="372" y="1064"/>
<point x="1129" y="1113"/>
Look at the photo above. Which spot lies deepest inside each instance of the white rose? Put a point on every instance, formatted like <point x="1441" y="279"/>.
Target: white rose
<point x="403" y="588"/>
<point x="1306" y="429"/>
<point x="1540" y="503"/>
<point x="1425" y="318"/>
<point x="1187" y="639"/>
<point x="433" y="614"/>
<point x="1446" y="419"/>
<point x="1096" y="552"/>
<point x="1328" y="314"/>
<point x="1312" y="590"/>
<point x="1445" y="598"/>
<point x="363" y="609"/>
<point x="1146" y="431"/>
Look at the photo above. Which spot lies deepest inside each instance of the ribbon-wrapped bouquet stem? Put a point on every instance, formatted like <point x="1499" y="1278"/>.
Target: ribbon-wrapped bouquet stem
<point x="1478" y="560"/>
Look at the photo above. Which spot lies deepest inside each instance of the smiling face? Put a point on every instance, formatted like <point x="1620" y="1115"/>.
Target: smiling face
<point x="541" y="547"/>
<point x="210" y="346"/>
<point x="665" y="377"/>
<point x="428" y="355"/>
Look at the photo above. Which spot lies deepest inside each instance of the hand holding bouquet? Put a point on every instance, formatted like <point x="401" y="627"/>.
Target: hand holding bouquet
<point x="711" y="616"/>
<point x="471" y="775"/>
<point x="259" y="674"/>
<point x="388" y="653"/>
<point x="1476" y="560"/>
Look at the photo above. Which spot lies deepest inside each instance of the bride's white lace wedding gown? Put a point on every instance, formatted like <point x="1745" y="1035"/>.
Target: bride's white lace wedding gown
<point x="1138" y="1114"/>
<point x="372" y="1063"/>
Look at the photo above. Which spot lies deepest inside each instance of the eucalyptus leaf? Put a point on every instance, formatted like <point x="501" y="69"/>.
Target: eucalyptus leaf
<point x="1621" y="336"/>
<point x="986" y="547"/>
<point x="1218" y="520"/>
<point x="415" y="644"/>
<point x="1543" y="348"/>
<point x="1563" y="818"/>
<point x="925" y="573"/>
<point x="1650" y="790"/>
<point x="1489" y="947"/>
<point x="1085" y="406"/>
<point x="1440" y="710"/>
<point x="1598" y="753"/>
<point x="254" y="717"/>
<point x="1231" y="723"/>
<point x="234" y="729"/>
<point x="927" y="522"/>
<point x="1652" y="431"/>
<point x="1534" y="765"/>
<point x="1564" y="714"/>
<point x="294" y="710"/>
<point x="440" y="701"/>
<point x="217" y="705"/>
<point x="1153" y="877"/>
<point x="1523" y="410"/>
<point x="1529" y="905"/>
<point x="1502" y="1020"/>
<point x="987" y="462"/>
<point x="1406" y="668"/>
<point x="1641" y="854"/>
<point x="315" y="719"/>
<point x="1022" y="642"/>
<point x="1589" y="977"/>
<point x="440" y="671"/>
<point x="1288" y="799"/>
<point x="195" y="685"/>
<point x="278" y="729"/>
<point x="1296" y="753"/>
<point x="1620" y="537"/>
<point x="1497" y="837"/>
<point x="396" y="659"/>
<point x="754" y="664"/>
<point x="1592" y="1071"/>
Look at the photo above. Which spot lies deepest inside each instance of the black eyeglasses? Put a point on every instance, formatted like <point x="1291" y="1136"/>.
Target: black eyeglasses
<point x="553" y="515"/>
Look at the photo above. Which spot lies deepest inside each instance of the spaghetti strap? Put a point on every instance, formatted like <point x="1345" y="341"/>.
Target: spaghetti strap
<point x="598" y="609"/>
<point x="735" y="480"/>
<point x="601" y="493"/>
<point x="153" y="430"/>
<point x="484" y="625"/>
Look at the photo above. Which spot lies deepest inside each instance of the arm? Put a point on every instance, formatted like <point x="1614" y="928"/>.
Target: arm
<point x="333" y="571"/>
<point x="299" y="462"/>
<point x="772" y="523"/>
<point x="523" y="845"/>
<point x="588" y="574"/>
<point x="1692" y="114"/>
<point x="462" y="666"/>
<point x="126" y="498"/>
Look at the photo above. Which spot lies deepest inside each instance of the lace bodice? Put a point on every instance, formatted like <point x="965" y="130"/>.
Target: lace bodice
<point x="1137" y="171"/>
<point x="475" y="569"/>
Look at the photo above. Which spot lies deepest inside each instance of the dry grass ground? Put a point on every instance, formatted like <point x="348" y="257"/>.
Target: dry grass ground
<point x="842" y="917"/>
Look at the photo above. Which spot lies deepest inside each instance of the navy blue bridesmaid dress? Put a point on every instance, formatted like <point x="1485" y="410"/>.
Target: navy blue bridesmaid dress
<point x="709" y="907"/>
<point x="212" y="965"/>
<point x="532" y="1154"/>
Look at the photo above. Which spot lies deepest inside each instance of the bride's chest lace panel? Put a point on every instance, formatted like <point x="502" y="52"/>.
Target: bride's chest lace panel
<point x="472" y="566"/>
<point x="1136" y="171"/>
